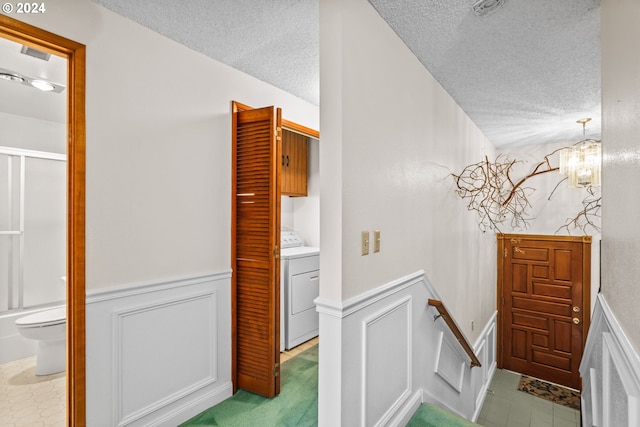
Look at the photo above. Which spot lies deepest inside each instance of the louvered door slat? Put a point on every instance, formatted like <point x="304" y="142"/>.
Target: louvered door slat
<point x="256" y="234"/>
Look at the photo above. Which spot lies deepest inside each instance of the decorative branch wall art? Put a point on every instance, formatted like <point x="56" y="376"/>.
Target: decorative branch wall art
<point x="501" y="199"/>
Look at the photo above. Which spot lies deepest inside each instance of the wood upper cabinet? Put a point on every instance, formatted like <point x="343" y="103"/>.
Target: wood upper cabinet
<point x="294" y="164"/>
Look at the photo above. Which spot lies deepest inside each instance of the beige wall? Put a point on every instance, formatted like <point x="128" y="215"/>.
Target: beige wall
<point x="391" y="136"/>
<point x="158" y="147"/>
<point x="621" y="162"/>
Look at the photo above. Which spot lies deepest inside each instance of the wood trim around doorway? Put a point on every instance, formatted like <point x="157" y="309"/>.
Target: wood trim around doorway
<point x="75" y="53"/>
<point x="286" y="124"/>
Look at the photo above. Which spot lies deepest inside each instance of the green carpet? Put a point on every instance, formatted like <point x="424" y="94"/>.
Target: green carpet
<point x="431" y="416"/>
<point x="296" y="406"/>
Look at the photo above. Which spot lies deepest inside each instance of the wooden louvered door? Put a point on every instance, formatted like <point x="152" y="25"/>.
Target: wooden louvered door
<point x="544" y="305"/>
<point x="255" y="249"/>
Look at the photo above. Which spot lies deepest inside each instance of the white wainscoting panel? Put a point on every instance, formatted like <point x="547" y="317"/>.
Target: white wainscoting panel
<point x="610" y="371"/>
<point x="450" y="365"/>
<point x="485" y="349"/>
<point x="396" y="356"/>
<point x="158" y="354"/>
<point x="386" y="362"/>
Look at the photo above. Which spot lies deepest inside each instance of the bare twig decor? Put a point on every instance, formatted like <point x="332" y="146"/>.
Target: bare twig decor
<point x="490" y="190"/>
<point x="585" y="218"/>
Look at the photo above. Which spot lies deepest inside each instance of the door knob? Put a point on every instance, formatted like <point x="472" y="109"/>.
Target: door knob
<point x="576" y="321"/>
<point x="576" y="309"/>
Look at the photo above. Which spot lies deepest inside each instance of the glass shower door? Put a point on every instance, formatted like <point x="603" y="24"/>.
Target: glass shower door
<point x="32" y="229"/>
<point x="10" y="232"/>
<point x="44" y="216"/>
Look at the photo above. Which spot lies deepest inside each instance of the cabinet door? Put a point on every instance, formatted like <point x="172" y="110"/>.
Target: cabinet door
<point x="294" y="164"/>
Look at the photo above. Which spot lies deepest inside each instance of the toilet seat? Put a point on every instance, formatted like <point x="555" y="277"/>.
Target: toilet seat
<point x="41" y="319"/>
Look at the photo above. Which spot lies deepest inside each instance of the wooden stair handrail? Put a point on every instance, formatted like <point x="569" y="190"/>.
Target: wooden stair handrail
<point x="454" y="328"/>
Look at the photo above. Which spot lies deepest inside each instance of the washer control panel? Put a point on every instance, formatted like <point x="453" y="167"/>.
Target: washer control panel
<point x="289" y="239"/>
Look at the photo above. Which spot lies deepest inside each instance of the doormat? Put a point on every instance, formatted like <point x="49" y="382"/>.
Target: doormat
<point x="551" y="392"/>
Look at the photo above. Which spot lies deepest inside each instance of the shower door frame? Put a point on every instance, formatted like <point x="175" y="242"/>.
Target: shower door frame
<point x="22" y="154"/>
<point x="75" y="54"/>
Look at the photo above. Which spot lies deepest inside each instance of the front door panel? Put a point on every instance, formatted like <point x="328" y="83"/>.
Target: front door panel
<point x="544" y="303"/>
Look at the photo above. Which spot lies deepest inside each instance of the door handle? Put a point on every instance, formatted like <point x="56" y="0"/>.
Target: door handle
<point x="576" y="309"/>
<point x="576" y="321"/>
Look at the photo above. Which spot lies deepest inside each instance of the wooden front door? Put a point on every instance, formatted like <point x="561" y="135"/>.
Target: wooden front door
<point x="543" y="305"/>
<point x="255" y="252"/>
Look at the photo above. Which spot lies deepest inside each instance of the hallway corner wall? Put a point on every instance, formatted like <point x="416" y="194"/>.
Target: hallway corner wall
<point x="621" y="162"/>
<point x="610" y="371"/>
<point x="398" y="356"/>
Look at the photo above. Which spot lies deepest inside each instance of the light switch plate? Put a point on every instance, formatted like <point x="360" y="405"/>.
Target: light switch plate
<point x="365" y="243"/>
<point x="376" y="241"/>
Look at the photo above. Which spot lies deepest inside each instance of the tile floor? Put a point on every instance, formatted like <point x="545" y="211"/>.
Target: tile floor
<point x="505" y="406"/>
<point x="30" y="400"/>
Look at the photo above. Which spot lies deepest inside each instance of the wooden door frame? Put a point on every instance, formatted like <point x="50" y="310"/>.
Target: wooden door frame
<point x="75" y="54"/>
<point x="286" y="124"/>
<point x="586" y="282"/>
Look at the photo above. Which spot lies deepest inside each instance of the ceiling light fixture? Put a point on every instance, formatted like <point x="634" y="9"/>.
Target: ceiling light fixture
<point x="11" y="77"/>
<point x="581" y="163"/>
<point x="41" y="84"/>
<point x="485" y="7"/>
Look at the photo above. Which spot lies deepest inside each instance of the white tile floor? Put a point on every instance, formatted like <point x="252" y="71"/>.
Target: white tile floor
<point x="505" y="406"/>
<point x="27" y="399"/>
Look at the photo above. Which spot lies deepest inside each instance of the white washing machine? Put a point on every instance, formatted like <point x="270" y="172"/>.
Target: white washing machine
<point x="299" y="287"/>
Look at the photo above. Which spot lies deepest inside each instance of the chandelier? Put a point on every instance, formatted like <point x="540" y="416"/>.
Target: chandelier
<point x="581" y="162"/>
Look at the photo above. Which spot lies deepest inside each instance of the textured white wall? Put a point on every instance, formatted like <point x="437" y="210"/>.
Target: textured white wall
<point x="158" y="147"/>
<point x="390" y="138"/>
<point x="621" y="162"/>
<point x="306" y="210"/>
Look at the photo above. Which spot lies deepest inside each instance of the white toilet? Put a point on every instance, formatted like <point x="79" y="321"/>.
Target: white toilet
<point x="49" y="328"/>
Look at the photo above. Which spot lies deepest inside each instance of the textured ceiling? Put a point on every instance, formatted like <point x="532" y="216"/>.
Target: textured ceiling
<point x="524" y="73"/>
<point x="273" y="40"/>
